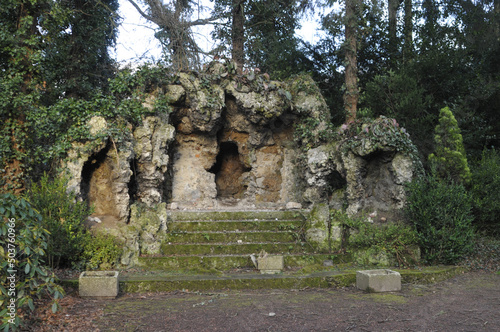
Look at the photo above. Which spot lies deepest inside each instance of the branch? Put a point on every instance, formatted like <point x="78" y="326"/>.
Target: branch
<point x="143" y="14"/>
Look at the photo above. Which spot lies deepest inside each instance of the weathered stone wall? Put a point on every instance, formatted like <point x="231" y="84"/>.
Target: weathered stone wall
<point x="230" y="142"/>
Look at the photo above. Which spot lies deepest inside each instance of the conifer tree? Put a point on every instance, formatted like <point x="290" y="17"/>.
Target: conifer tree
<point x="449" y="159"/>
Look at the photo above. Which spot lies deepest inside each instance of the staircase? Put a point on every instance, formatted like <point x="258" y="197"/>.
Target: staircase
<point x="224" y="240"/>
<point x="210" y="251"/>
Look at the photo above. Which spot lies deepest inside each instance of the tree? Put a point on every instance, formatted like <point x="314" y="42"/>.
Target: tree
<point x="175" y="29"/>
<point x="20" y="52"/>
<point x="76" y="58"/>
<point x="261" y="34"/>
<point x="449" y="158"/>
<point x="48" y="49"/>
<point x="238" y="33"/>
<point x="351" y="94"/>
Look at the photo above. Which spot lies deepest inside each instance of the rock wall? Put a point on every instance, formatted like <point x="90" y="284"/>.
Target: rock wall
<point x="231" y="142"/>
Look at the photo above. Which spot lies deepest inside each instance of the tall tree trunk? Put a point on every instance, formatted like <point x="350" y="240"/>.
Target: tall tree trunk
<point x="351" y="94"/>
<point x="14" y="167"/>
<point x="393" y="16"/>
<point x="408" y="30"/>
<point x="238" y="32"/>
<point x="496" y="10"/>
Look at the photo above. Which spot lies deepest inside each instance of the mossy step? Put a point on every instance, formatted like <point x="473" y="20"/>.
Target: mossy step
<point x="228" y="262"/>
<point x="234" y="215"/>
<point x="221" y="237"/>
<point x="235" y="282"/>
<point x="233" y="248"/>
<point x="161" y="282"/>
<point x="235" y="225"/>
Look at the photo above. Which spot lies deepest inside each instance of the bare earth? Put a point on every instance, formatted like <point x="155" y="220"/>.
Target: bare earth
<point x="469" y="302"/>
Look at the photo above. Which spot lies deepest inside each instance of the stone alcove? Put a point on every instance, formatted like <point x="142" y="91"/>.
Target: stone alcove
<point x="108" y="182"/>
<point x="97" y="183"/>
<point x="228" y="170"/>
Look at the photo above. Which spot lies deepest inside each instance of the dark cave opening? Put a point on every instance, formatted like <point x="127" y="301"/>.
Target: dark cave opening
<point x="228" y="170"/>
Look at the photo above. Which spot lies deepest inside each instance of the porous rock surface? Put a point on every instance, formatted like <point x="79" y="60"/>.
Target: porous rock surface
<point x="230" y="142"/>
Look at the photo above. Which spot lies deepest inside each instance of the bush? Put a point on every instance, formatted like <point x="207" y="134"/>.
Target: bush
<point x="441" y="214"/>
<point x="485" y="189"/>
<point x="394" y="239"/>
<point x="22" y="243"/>
<point x="449" y="157"/>
<point x="102" y="251"/>
<point x="63" y="217"/>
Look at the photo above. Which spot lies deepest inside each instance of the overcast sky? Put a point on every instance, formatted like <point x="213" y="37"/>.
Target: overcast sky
<point x="136" y="42"/>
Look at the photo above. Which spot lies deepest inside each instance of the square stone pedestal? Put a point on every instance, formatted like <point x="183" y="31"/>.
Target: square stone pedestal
<point x="99" y="284"/>
<point x="270" y="264"/>
<point x="378" y="280"/>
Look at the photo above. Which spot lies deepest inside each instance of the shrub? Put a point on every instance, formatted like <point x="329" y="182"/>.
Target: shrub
<point x="449" y="158"/>
<point x="102" y="251"/>
<point x="23" y="241"/>
<point x="63" y="217"/>
<point x="485" y="189"/>
<point x="441" y="214"/>
<point x="394" y="239"/>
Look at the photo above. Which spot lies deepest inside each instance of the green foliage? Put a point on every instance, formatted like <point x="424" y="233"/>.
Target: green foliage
<point x="63" y="217"/>
<point x="394" y="239"/>
<point x="485" y="190"/>
<point x="449" y="158"/>
<point x="76" y="60"/>
<point x="377" y="133"/>
<point x="270" y="43"/>
<point x="102" y="251"/>
<point x="23" y="241"/>
<point x="441" y="214"/>
<point x="399" y="95"/>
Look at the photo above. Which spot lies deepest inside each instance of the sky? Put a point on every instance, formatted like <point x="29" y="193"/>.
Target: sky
<point x="136" y="42"/>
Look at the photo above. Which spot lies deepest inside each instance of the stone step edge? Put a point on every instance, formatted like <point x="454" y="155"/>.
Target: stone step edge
<point x="229" y="232"/>
<point x="236" y="220"/>
<point x="227" y="243"/>
<point x="236" y="255"/>
<point x="273" y="215"/>
<point x="324" y="279"/>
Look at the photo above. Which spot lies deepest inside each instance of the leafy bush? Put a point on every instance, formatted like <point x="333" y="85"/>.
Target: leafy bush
<point x="449" y="158"/>
<point x="394" y="239"/>
<point x="102" y="251"/>
<point x="22" y="243"/>
<point x="63" y="217"/>
<point x="441" y="214"/>
<point x="485" y="190"/>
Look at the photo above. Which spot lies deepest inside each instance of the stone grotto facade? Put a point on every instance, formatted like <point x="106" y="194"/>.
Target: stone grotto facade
<point x="232" y="142"/>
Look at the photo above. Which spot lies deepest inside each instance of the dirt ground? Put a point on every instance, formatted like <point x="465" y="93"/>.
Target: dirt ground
<point x="468" y="302"/>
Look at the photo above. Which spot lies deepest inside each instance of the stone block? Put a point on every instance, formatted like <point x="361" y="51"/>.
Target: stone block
<point x="98" y="284"/>
<point x="378" y="280"/>
<point x="270" y="264"/>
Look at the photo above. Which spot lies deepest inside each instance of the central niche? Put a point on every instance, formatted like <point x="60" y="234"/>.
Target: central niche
<point x="228" y="170"/>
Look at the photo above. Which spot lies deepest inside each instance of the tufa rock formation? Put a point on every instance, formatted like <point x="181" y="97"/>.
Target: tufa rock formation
<point x="238" y="142"/>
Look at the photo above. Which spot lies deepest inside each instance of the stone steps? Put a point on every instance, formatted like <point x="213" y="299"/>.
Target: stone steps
<point x="144" y="282"/>
<point x="228" y="262"/>
<point x="224" y="240"/>
<point x="230" y="237"/>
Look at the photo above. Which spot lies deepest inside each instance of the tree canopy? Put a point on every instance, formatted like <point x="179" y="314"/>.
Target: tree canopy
<point x="403" y="59"/>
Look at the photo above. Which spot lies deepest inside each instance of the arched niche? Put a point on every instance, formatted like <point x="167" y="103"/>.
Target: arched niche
<point x="228" y="170"/>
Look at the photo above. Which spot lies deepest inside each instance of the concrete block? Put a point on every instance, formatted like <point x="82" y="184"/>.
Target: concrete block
<point x="378" y="280"/>
<point x="98" y="284"/>
<point x="270" y="264"/>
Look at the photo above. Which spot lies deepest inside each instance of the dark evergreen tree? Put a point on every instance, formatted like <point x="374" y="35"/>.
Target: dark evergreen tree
<point x="76" y="57"/>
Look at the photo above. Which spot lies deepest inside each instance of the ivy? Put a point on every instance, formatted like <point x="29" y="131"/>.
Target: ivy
<point x="378" y="133"/>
